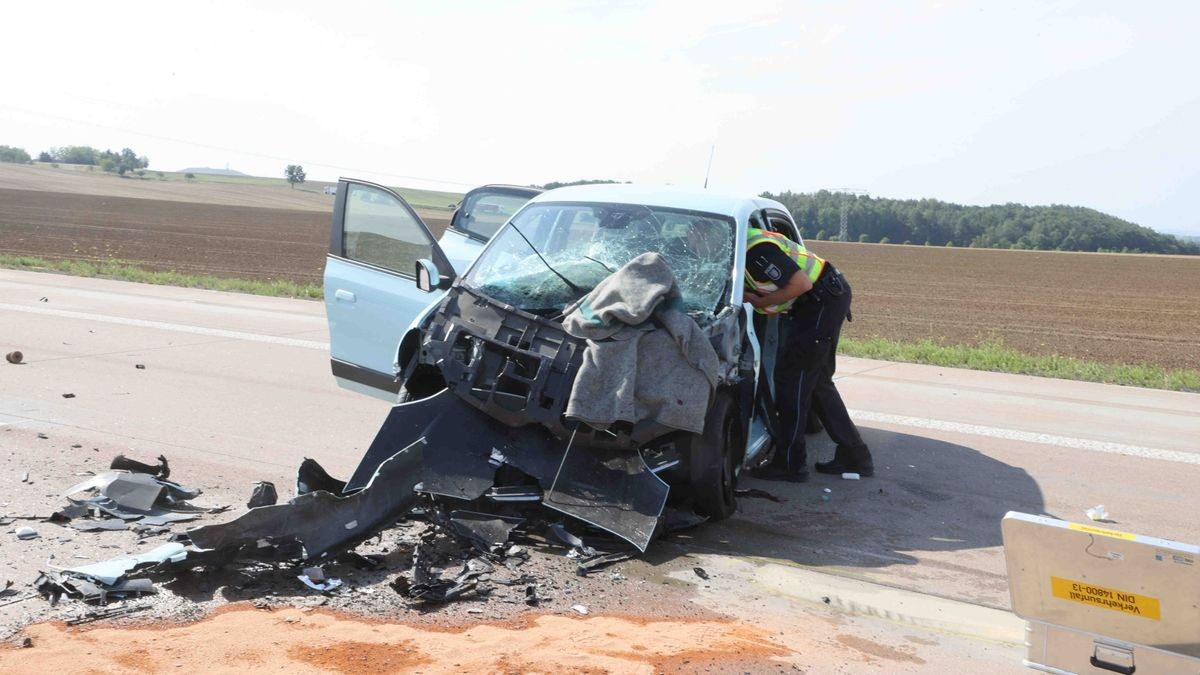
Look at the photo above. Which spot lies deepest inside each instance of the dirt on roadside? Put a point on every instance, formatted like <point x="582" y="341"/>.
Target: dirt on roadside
<point x="243" y="639"/>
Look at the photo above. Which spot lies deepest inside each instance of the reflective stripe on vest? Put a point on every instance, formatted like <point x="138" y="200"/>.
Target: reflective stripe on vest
<point x="810" y="265"/>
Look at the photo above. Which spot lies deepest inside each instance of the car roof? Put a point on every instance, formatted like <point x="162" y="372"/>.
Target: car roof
<point x="668" y="196"/>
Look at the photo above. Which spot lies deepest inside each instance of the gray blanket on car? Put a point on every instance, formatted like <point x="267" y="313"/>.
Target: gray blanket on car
<point x="646" y="359"/>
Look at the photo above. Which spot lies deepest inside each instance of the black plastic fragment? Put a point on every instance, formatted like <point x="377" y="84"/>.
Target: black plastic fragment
<point x="311" y="477"/>
<point x="161" y="471"/>
<point x="318" y="524"/>
<point x="263" y="494"/>
<point x="612" y="489"/>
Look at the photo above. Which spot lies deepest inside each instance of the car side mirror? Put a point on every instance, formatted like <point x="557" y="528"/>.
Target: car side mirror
<point x="428" y="277"/>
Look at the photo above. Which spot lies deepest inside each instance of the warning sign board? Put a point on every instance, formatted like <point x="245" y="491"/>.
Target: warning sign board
<point x="1106" y="598"/>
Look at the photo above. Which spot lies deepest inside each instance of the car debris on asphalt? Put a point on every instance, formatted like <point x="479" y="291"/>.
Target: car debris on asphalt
<point x="263" y="494"/>
<point x="106" y="614"/>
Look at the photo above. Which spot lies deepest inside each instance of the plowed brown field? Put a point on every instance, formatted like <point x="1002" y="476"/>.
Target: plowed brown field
<point x="1115" y="308"/>
<point x="1106" y="307"/>
<point x="212" y="239"/>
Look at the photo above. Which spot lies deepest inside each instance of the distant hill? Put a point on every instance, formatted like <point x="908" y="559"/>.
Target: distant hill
<point x="936" y="223"/>
<point x="212" y="172"/>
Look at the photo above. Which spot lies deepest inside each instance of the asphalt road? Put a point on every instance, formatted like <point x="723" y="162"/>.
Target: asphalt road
<point x="238" y="388"/>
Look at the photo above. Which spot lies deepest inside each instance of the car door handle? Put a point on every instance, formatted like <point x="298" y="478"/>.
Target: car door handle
<point x="342" y="295"/>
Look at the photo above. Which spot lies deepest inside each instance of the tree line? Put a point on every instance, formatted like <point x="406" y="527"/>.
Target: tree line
<point x="931" y="222"/>
<point x="120" y="163"/>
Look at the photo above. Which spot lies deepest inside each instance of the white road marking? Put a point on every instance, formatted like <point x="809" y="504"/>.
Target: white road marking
<point x="1029" y="437"/>
<point x="177" y="327"/>
<point x="861" y="415"/>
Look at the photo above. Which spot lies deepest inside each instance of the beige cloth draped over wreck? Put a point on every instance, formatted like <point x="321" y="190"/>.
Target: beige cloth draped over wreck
<point x="646" y="359"/>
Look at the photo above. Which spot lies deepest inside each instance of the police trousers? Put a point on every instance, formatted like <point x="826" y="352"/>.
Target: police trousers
<point x="804" y="370"/>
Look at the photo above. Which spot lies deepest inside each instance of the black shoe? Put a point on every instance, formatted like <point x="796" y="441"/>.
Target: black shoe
<point x="771" y="472"/>
<point x="849" y="460"/>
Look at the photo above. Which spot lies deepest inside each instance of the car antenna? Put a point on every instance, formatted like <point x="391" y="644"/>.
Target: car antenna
<point x="533" y="248"/>
<point x="708" y="170"/>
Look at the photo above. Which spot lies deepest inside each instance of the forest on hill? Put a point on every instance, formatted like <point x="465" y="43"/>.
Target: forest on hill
<point x="936" y="223"/>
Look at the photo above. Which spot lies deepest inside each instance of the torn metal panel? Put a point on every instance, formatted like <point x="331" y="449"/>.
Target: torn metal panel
<point x="320" y="522"/>
<point x="121" y="491"/>
<point x="109" y="572"/>
<point x="612" y="489"/>
<point x="174" y="493"/>
<point x="485" y="531"/>
<point x="460" y="441"/>
<point x="132" y="490"/>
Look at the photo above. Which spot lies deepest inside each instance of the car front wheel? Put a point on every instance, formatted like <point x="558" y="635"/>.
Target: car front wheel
<point x="714" y="456"/>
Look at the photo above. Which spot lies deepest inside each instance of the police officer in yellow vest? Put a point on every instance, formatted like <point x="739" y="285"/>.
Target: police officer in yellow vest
<point x="783" y="277"/>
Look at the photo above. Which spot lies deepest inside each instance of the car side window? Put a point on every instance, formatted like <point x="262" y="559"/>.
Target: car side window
<point x="379" y="230"/>
<point x="484" y="213"/>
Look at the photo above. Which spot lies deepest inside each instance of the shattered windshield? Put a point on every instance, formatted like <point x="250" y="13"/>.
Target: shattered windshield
<point x="582" y="243"/>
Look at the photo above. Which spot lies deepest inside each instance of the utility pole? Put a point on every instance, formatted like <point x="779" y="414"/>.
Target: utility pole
<point x="844" y="230"/>
<point x="708" y="170"/>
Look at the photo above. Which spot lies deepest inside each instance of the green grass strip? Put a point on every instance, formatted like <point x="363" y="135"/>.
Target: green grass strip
<point x="998" y="358"/>
<point x="124" y="271"/>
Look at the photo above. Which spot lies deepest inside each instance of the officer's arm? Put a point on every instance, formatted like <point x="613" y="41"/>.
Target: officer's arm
<point x="796" y="286"/>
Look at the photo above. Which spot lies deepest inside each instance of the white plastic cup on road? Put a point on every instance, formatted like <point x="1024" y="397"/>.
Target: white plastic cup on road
<point x="849" y="475"/>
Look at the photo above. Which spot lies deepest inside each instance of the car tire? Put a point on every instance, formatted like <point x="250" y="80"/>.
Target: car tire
<point x="714" y="457"/>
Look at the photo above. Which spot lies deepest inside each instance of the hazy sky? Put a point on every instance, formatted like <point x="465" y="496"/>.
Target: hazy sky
<point x="1089" y="103"/>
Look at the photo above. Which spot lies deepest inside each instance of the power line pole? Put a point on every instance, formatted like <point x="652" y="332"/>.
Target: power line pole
<point x="844" y="230"/>
<point x="708" y="170"/>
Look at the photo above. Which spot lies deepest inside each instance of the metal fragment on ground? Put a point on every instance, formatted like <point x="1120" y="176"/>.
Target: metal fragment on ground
<point x="598" y="561"/>
<point x="132" y="490"/>
<point x="26" y="532"/>
<point x="14" y="357"/>
<point x="486" y="532"/>
<point x="700" y="572"/>
<point x="168" y="517"/>
<point x="314" y="578"/>
<point x="107" y="524"/>
<point x="106" y="614"/>
<point x="109" y="572"/>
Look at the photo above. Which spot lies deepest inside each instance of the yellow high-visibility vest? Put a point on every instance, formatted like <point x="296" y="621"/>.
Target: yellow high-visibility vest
<point x="811" y="265"/>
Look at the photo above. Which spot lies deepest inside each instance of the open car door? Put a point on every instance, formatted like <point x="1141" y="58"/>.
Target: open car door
<point x="479" y="216"/>
<point x="371" y="296"/>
